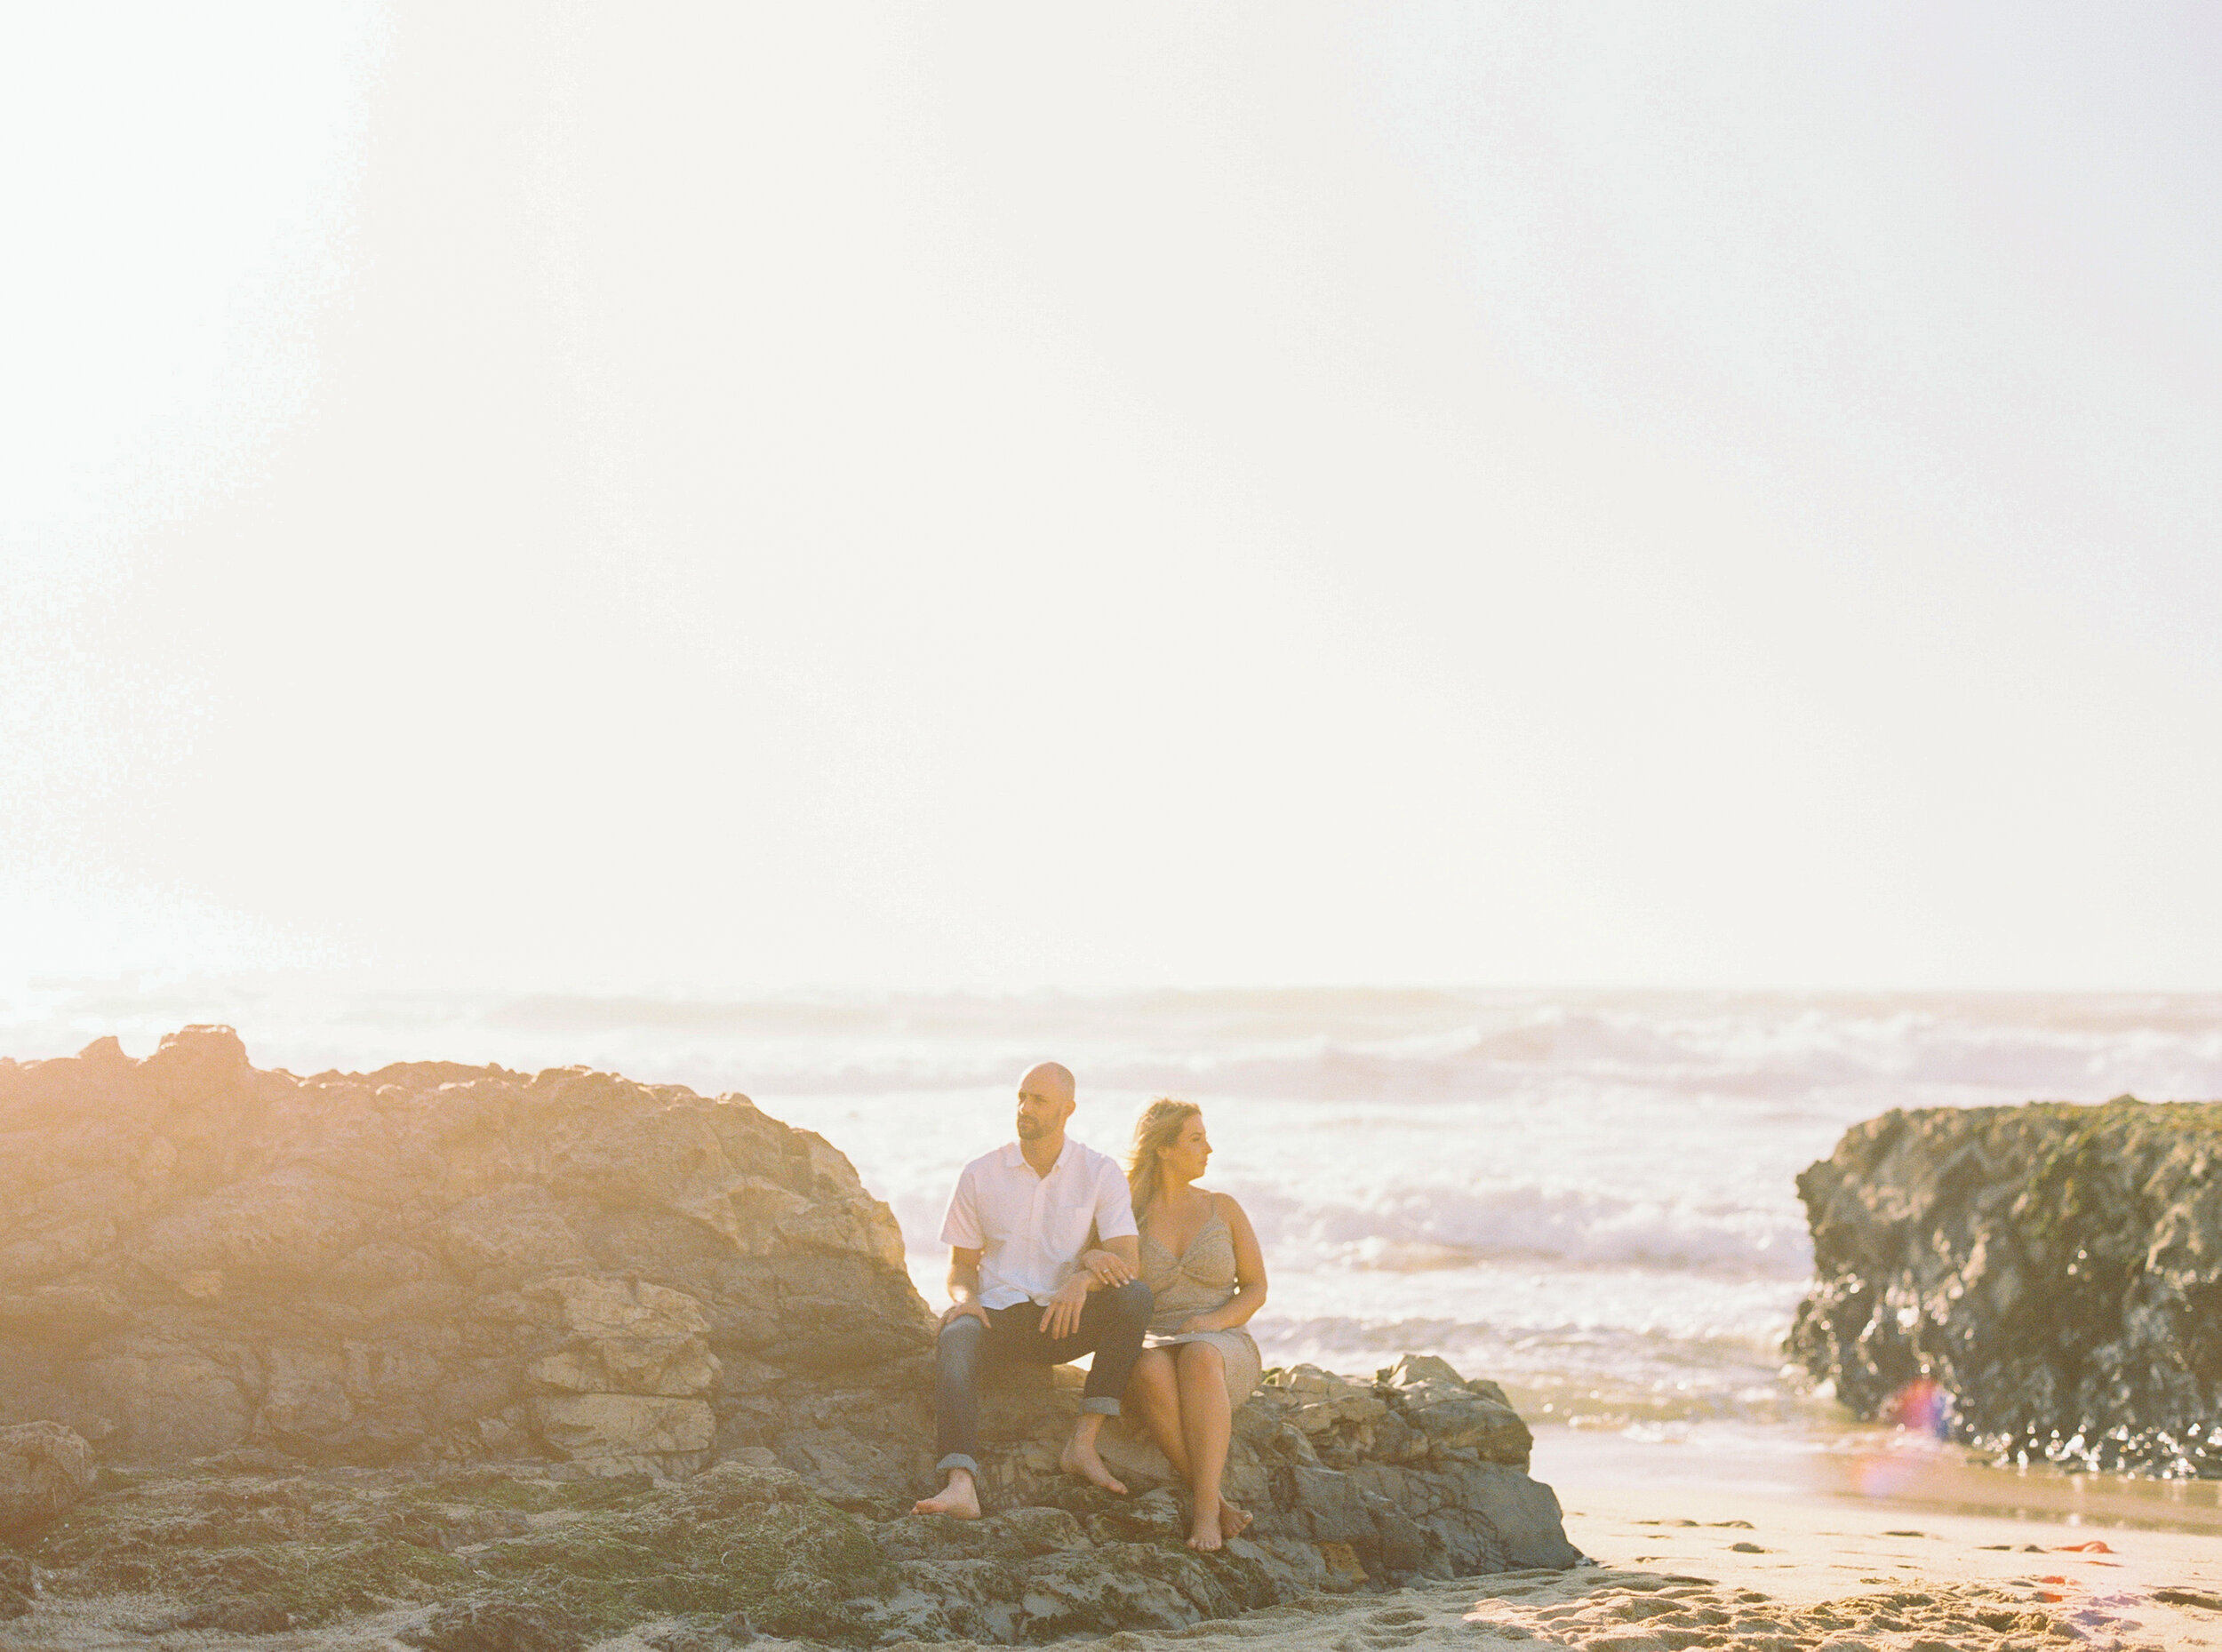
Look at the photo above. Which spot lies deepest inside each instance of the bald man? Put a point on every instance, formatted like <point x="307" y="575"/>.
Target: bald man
<point x="1022" y="1287"/>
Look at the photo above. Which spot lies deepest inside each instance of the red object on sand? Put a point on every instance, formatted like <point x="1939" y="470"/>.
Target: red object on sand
<point x="2093" y="1547"/>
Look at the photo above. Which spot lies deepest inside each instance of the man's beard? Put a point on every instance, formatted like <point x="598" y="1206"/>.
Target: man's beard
<point x="1029" y="1129"/>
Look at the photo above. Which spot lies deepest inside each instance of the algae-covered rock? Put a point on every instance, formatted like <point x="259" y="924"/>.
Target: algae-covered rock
<point x="750" y="1548"/>
<point x="2044" y="1279"/>
<point x="498" y="1627"/>
<point x="252" y="1554"/>
<point x="44" y="1470"/>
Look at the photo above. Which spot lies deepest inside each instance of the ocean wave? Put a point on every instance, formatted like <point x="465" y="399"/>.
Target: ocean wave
<point x="1611" y="1376"/>
<point x="1788" y="1057"/>
<point x="1418" y="1226"/>
<point x="1874" y="1055"/>
<point x="1415" y="1046"/>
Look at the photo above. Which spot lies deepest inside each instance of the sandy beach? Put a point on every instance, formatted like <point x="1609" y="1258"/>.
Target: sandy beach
<point x="1917" y="1547"/>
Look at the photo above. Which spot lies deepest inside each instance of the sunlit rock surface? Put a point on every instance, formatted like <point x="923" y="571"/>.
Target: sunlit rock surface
<point x="2054" y="1271"/>
<point x="427" y="1263"/>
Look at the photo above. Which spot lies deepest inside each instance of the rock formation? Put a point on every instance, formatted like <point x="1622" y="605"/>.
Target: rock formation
<point x="44" y="1471"/>
<point x="2054" y="1271"/>
<point x="497" y="1291"/>
<point x="426" y="1263"/>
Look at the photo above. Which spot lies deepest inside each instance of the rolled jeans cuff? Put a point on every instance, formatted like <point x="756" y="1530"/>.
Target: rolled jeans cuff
<point x="958" y="1459"/>
<point x="1103" y="1405"/>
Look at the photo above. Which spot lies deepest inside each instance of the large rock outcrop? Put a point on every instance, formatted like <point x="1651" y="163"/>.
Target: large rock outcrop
<point x="427" y="1262"/>
<point x="2045" y="1279"/>
<point x="567" y="1296"/>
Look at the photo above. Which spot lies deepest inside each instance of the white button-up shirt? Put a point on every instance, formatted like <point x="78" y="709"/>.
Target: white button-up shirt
<point x="1031" y="1229"/>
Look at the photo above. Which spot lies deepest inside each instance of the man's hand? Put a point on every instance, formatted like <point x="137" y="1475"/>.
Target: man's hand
<point x="1061" y="1318"/>
<point x="957" y="1310"/>
<point x="1106" y="1267"/>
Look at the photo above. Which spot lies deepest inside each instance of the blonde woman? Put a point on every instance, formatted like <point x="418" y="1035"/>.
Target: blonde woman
<point x="1201" y="1261"/>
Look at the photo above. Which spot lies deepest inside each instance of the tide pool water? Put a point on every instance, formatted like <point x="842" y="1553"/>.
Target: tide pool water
<point x="1590" y="1197"/>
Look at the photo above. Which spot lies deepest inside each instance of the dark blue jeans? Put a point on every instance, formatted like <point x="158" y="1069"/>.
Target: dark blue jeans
<point x="1112" y="1323"/>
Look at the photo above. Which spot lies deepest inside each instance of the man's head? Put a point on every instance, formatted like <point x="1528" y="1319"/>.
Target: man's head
<point x="1046" y="1101"/>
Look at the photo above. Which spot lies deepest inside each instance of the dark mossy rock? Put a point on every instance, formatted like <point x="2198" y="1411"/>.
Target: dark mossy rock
<point x="498" y="1627"/>
<point x="2055" y="1271"/>
<point x="516" y="1559"/>
<point x="19" y="1586"/>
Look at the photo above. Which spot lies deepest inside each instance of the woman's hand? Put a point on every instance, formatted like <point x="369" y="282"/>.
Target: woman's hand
<point x="1106" y="1267"/>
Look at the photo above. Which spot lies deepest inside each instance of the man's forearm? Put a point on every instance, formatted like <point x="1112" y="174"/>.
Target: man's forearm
<point x="964" y="1286"/>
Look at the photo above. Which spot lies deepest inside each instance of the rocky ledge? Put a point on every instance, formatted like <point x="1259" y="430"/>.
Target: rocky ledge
<point x="502" y="1354"/>
<point x="2045" y="1280"/>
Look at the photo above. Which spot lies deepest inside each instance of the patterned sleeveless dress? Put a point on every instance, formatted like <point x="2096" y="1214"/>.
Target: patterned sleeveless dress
<point x="1201" y="1279"/>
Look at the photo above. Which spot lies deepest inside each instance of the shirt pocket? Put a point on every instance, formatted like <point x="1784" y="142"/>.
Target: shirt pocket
<point x="1065" y="1227"/>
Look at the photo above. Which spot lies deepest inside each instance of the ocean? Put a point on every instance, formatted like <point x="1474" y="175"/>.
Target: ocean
<point x="1589" y="1196"/>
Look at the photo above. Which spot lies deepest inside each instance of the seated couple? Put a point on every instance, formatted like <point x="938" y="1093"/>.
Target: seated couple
<point x="1053" y="1253"/>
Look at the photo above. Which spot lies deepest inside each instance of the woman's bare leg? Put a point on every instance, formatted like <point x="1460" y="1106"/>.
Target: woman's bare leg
<point x="1153" y="1398"/>
<point x="1206" y="1424"/>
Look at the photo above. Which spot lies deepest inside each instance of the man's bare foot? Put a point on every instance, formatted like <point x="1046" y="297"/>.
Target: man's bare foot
<point x="1233" y="1522"/>
<point x="959" y="1499"/>
<point x="1080" y="1458"/>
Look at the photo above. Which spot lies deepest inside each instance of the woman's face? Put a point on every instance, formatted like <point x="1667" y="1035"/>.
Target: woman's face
<point x="1191" y="1150"/>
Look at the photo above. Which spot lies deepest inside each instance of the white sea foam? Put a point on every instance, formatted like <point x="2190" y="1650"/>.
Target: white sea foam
<point x="1590" y="1196"/>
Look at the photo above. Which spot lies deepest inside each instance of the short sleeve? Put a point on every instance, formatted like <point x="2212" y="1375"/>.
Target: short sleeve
<point x="961" y="1227"/>
<point x="1115" y="1206"/>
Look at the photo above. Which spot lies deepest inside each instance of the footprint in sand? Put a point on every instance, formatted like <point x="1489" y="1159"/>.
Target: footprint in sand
<point x="2188" y="1597"/>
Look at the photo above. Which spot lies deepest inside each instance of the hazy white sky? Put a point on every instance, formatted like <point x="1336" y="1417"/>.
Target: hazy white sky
<point x="722" y="497"/>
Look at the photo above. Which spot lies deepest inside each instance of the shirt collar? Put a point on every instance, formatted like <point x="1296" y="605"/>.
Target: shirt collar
<point x="1014" y="1157"/>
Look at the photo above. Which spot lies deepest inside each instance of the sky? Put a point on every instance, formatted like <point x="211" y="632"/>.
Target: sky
<point x="710" y="498"/>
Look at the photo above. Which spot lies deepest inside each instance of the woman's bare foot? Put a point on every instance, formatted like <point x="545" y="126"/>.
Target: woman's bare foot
<point x="1205" y="1534"/>
<point x="1080" y="1458"/>
<point x="959" y="1499"/>
<point x="1233" y="1522"/>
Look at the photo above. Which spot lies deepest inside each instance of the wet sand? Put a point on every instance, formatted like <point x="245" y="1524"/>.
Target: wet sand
<point x="2133" y="1563"/>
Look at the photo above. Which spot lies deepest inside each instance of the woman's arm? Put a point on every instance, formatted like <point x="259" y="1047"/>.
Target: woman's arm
<point x="1249" y="1273"/>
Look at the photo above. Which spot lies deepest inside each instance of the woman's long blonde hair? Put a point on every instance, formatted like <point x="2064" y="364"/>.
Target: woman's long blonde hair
<point x="1157" y="1128"/>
